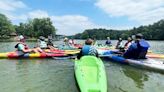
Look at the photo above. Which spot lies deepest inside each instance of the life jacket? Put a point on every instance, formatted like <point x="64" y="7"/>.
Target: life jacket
<point x="137" y="50"/>
<point x="85" y="49"/>
<point x="25" y="45"/>
<point x="50" y="43"/>
<point x="42" y="44"/>
<point x="143" y="47"/>
<point x="108" y="42"/>
<point x="127" y="44"/>
<point x="119" y="45"/>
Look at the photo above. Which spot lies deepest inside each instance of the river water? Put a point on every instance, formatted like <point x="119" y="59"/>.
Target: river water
<point x="49" y="75"/>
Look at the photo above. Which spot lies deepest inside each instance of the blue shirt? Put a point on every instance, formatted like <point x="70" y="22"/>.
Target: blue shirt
<point x="108" y="42"/>
<point x="89" y="50"/>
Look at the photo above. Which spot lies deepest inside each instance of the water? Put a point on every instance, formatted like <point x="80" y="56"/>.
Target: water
<point x="49" y="75"/>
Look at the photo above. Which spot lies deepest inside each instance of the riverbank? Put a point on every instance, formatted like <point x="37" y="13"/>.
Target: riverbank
<point x="15" y="40"/>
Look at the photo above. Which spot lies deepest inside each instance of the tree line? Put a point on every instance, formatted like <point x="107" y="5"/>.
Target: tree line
<point x="32" y="28"/>
<point x="44" y="27"/>
<point x="150" y="32"/>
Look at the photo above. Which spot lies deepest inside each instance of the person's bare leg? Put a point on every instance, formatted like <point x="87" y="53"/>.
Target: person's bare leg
<point x="39" y="50"/>
<point x="34" y="50"/>
<point x="52" y="48"/>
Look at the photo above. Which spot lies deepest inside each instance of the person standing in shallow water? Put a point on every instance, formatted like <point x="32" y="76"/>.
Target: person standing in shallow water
<point x="88" y="49"/>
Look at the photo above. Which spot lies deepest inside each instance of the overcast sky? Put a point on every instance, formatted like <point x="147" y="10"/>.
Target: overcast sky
<point x="74" y="16"/>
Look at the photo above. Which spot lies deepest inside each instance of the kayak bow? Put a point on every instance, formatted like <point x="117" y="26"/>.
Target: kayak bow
<point x="90" y="74"/>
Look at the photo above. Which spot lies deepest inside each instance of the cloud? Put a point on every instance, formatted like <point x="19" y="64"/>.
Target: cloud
<point x="71" y="24"/>
<point x="142" y="11"/>
<point x="32" y="14"/>
<point x="38" y="14"/>
<point x="11" y="5"/>
<point x="66" y="24"/>
<point x="10" y="8"/>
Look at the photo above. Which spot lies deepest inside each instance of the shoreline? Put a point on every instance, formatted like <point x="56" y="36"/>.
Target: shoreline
<point x="34" y="39"/>
<point x="15" y="40"/>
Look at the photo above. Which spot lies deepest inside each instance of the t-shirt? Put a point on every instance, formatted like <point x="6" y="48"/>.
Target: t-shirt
<point x="21" y="47"/>
<point x="89" y="50"/>
<point x="43" y="44"/>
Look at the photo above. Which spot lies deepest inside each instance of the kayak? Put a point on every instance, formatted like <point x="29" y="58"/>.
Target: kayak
<point x="66" y="47"/>
<point x="78" y="46"/>
<point x="150" y="64"/>
<point x="148" y="55"/>
<point x="31" y="55"/>
<point x="63" y="51"/>
<point x="90" y="74"/>
<point x="153" y="55"/>
<point x="47" y="54"/>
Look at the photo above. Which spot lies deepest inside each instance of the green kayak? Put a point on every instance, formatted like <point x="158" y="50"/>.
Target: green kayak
<point x="90" y="74"/>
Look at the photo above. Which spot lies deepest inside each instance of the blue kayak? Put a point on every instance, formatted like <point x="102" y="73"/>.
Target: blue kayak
<point x="151" y="64"/>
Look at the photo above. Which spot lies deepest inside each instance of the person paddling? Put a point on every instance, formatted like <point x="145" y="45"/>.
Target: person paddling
<point x="88" y="49"/>
<point x="138" y="49"/>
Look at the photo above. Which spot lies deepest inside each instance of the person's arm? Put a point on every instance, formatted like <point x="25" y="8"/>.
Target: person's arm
<point x="22" y="48"/>
<point x="97" y="54"/>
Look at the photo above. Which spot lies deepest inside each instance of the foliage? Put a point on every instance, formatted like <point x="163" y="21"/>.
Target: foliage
<point x="36" y="27"/>
<point x="150" y="32"/>
<point x="6" y="28"/>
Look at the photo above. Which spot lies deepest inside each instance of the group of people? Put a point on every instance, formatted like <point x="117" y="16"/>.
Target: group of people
<point x="69" y="42"/>
<point x="23" y="48"/>
<point x="136" y="47"/>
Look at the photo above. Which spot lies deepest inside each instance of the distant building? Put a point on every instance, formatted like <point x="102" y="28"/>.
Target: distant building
<point x="13" y="34"/>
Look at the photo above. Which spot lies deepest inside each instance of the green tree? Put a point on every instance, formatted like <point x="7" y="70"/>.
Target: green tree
<point x="5" y="26"/>
<point x="20" y="30"/>
<point x="36" y="27"/>
<point x="43" y="27"/>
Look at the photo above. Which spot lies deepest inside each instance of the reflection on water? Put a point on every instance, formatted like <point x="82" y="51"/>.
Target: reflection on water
<point x="139" y="77"/>
<point x="45" y="75"/>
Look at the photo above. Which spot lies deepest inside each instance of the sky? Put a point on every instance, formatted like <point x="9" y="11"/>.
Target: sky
<point x="74" y="16"/>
